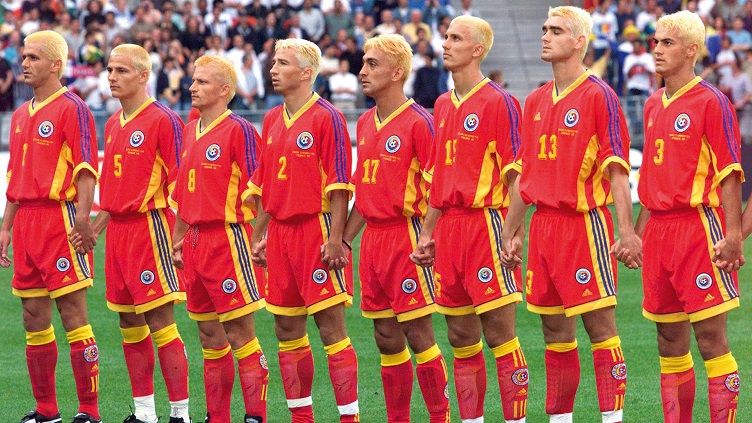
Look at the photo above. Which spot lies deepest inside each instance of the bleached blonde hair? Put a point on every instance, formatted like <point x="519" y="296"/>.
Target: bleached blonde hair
<point x="687" y="25"/>
<point x="224" y="68"/>
<point x="138" y="54"/>
<point x="53" y="46"/>
<point x="481" y="31"/>
<point x="307" y="53"/>
<point x="396" y="48"/>
<point x="578" y="21"/>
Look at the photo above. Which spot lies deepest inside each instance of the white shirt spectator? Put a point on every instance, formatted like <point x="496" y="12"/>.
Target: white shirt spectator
<point x="344" y="87"/>
<point x="605" y="28"/>
<point x="638" y="71"/>
<point x="313" y="22"/>
<point x="328" y="5"/>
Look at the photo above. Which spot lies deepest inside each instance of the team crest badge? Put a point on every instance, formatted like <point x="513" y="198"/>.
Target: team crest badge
<point x="485" y="274"/>
<point x="213" y="152"/>
<point x="147" y="277"/>
<point x="320" y="276"/>
<point x="583" y="276"/>
<point x="703" y="281"/>
<point x="520" y="377"/>
<point x="571" y="118"/>
<point x="62" y="264"/>
<point x="137" y="138"/>
<point x="229" y="286"/>
<point x="46" y="129"/>
<point x="732" y="382"/>
<point x="409" y="286"/>
<point x="393" y="144"/>
<point x="682" y="122"/>
<point x="262" y="362"/>
<point x="471" y="122"/>
<point x="619" y="371"/>
<point x="305" y="140"/>
<point x="91" y="353"/>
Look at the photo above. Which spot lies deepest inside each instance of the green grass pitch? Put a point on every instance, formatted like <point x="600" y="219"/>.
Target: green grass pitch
<point x="643" y="403"/>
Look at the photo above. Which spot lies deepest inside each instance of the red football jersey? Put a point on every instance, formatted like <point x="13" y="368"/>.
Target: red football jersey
<point x="568" y="141"/>
<point x="216" y="164"/>
<point x="305" y="156"/>
<point x="477" y="138"/>
<point x="141" y="155"/>
<point x="392" y="156"/>
<point x="692" y="142"/>
<point x="50" y="142"/>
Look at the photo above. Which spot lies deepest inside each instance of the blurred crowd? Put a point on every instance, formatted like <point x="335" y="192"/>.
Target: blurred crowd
<point x="622" y="41"/>
<point x="176" y="32"/>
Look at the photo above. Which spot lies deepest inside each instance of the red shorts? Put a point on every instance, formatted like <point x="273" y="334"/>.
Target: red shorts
<point x="44" y="262"/>
<point x="679" y="280"/>
<point x="469" y="277"/>
<point x="221" y="281"/>
<point x="138" y="270"/>
<point x="299" y="283"/>
<point x="390" y="284"/>
<point x="570" y="270"/>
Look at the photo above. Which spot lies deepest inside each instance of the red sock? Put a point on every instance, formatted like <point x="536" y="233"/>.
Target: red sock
<point x="343" y="372"/>
<point x="139" y="359"/>
<point x="397" y="380"/>
<point x="562" y="377"/>
<point x="677" y="388"/>
<point x="219" y="376"/>
<point x="470" y="380"/>
<point x="432" y="378"/>
<point x="511" y="370"/>
<point x="610" y="374"/>
<point x="41" y="359"/>
<point x="172" y="361"/>
<point x="84" y="356"/>
<point x="723" y="388"/>
<point x="254" y="378"/>
<point x="296" y="367"/>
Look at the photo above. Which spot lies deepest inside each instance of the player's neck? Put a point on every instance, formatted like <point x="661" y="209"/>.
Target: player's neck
<point x="566" y="72"/>
<point x="389" y="101"/>
<point x="44" y="91"/>
<point x="130" y="105"/>
<point x="210" y="114"/>
<point x="675" y="82"/>
<point x="295" y="100"/>
<point x="465" y="79"/>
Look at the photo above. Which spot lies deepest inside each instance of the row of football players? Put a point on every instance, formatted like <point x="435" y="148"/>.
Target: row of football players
<point x="484" y="161"/>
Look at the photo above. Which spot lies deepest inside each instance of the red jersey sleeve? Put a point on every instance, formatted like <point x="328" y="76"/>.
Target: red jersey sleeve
<point x="722" y="133"/>
<point x="170" y="147"/>
<point x="508" y="138"/>
<point x="255" y="182"/>
<point x="81" y="136"/>
<point x="336" y="154"/>
<point x="611" y="127"/>
<point x="423" y="134"/>
<point x="9" y="170"/>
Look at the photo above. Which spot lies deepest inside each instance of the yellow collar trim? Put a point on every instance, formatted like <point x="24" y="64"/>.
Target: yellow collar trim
<point x="49" y="100"/>
<point x="289" y="121"/>
<point x="691" y="84"/>
<point x="573" y="86"/>
<point x="124" y="121"/>
<point x="382" y="123"/>
<point x="458" y="102"/>
<point x="217" y="121"/>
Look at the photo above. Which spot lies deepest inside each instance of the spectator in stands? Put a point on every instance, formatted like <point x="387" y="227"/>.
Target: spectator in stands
<point x="434" y="12"/>
<point x="639" y="70"/>
<point x="426" y="84"/>
<point x="387" y="25"/>
<point x="724" y="59"/>
<point x="625" y="14"/>
<point x="648" y="16"/>
<point x="727" y="9"/>
<point x="741" y="40"/>
<point x="194" y="35"/>
<point x="93" y="17"/>
<point x="185" y="87"/>
<point x="168" y="83"/>
<point x="338" y="19"/>
<point x="402" y="11"/>
<point x="87" y="87"/>
<point x="467" y="9"/>
<point x="257" y="10"/>
<point x="271" y="29"/>
<point x="141" y="27"/>
<point x="7" y="79"/>
<point x="312" y="20"/>
<point x="497" y="76"/>
<point x="670" y="6"/>
<point x="738" y="87"/>
<point x="218" y="22"/>
<point x="410" y="29"/>
<point x="354" y="56"/>
<point x="246" y="93"/>
<point x="343" y="86"/>
<point x="367" y="31"/>
<point x="605" y="28"/>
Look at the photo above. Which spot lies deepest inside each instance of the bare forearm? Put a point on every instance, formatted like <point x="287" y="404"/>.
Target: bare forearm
<point x="354" y="224"/>
<point x="262" y="220"/>
<point x="338" y="207"/>
<point x="429" y="222"/>
<point x="642" y="220"/>
<point x="101" y="222"/>
<point x="85" y="191"/>
<point x="9" y="216"/>
<point x="622" y="199"/>
<point x="517" y="208"/>
<point x="732" y="205"/>
<point x="178" y="232"/>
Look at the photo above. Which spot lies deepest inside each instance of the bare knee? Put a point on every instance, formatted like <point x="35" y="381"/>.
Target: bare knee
<point x="463" y="331"/>
<point x="212" y="335"/>
<point x="72" y="308"/>
<point x="289" y="328"/>
<point x="240" y="331"/>
<point x="711" y="337"/>
<point x="600" y="324"/>
<point x="37" y="314"/>
<point x="160" y="317"/>
<point x="419" y="333"/>
<point x="499" y="325"/>
<point x="673" y="339"/>
<point x="331" y="324"/>
<point x="557" y="328"/>
<point x="131" y="320"/>
<point x="388" y="336"/>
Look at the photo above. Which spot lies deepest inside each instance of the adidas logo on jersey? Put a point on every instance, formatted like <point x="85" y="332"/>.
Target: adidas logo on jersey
<point x="412" y="301"/>
<point x="324" y="291"/>
<point x="489" y="291"/>
<point x="586" y="293"/>
<point x="66" y="278"/>
<point x="151" y="292"/>
<point x="234" y="301"/>
<point x="362" y="141"/>
<point x="537" y="117"/>
<point x="522" y="391"/>
<point x="709" y="297"/>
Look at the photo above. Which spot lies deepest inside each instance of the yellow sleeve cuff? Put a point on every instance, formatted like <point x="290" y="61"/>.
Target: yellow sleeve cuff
<point x="615" y="159"/>
<point x="339" y="185"/>
<point x="87" y="166"/>
<point x="428" y="175"/>
<point x="511" y="166"/>
<point x="252" y="189"/>
<point x="733" y="167"/>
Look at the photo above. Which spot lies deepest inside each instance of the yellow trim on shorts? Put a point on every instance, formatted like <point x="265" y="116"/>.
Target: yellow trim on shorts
<point x="419" y="270"/>
<point x="158" y="245"/>
<point x="495" y="246"/>
<point x="238" y="267"/>
<point x="591" y="306"/>
<point x="594" y="235"/>
<point x="342" y="297"/>
<point x="86" y="283"/>
<point x="203" y="317"/>
<point x="391" y="360"/>
<point x="175" y="297"/>
<point x="417" y="313"/>
<point x="665" y="318"/>
<point x="242" y="311"/>
<point x="30" y="293"/>
<point x="74" y="259"/>
<point x="286" y="311"/>
<point x="379" y="314"/>
<point x="714" y="311"/>
<point x="455" y="311"/>
<point x="514" y="297"/>
<point x="546" y="310"/>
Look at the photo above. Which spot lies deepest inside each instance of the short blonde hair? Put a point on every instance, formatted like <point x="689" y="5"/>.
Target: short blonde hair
<point x="396" y="48"/>
<point x="687" y="25"/>
<point x="53" y="46"/>
<point x="307" y="53"/>
<point x="224" y="67"/>
<point x="138" y="54"/>
<point x="481" y="31"/>
<point x="578" y="20"/>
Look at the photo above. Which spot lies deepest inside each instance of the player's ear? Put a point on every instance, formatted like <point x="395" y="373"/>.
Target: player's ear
<point x="398" y="74"/>
<point x="692" y="50"/>
<point x="478" y="50"/>
<point x="579" y="43"/>
<point x="306" y="74"/>
<point x="57" y="64"/>
<point x="143" y="76"/>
